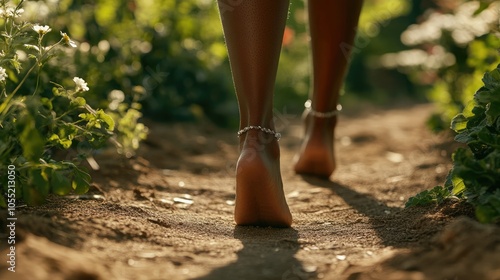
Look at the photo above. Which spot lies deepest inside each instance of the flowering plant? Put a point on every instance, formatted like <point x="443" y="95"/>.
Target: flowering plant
<point x="37" y="119"/>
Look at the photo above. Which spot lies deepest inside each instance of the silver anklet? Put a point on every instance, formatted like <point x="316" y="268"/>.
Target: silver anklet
<point x="258" y="127"/>
<point x="324" y="115"/>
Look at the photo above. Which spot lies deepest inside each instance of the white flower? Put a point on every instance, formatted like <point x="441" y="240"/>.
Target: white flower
<point x="11" y="12"/>
<point x="18" y="12"/>
<point x="3" y="74"/>
<point x="81" y="85"/>
<point x="41" y="29"/>
<point x="68" y="40"/>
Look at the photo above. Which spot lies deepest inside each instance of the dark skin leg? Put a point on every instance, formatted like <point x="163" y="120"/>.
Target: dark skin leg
<point x="254" y="31"/>
<point x="332" y="24"/>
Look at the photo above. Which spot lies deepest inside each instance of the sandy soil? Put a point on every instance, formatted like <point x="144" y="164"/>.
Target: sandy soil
<point x="167" y="213"/>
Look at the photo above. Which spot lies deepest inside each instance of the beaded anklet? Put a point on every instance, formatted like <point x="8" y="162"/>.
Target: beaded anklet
<point x="323" y="115"/>
<point x="258" y="127"/>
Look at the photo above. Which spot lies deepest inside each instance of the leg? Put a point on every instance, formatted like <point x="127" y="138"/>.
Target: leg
<point x="253" y="31"/>
<point x="331" y="24"/>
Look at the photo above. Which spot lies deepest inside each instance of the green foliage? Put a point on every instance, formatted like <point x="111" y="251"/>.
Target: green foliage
<point x="435" y="195"/>
<point x="173" y="50"/>
<point x="452" y="47"/>
<point x="479" y="166"/>
<point x="36" y="118"/>
<point x="377" y="13"/>
<point x="475" y="175"/>
<point x="131" y="131"/>
<point x="167" y="55"/>
<point x="452" y="93"/>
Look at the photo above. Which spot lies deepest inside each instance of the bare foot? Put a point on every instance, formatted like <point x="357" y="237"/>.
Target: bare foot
<point x="316" y="156"/>
<point x="260" y="199"/>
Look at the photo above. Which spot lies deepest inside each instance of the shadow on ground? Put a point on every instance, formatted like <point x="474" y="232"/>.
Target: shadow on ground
<point x="395" y="226"/>
<point x="267" y="253"/>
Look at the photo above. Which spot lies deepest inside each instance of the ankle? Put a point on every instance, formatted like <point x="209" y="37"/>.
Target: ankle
<point x="322" y="114"/>
<point x="257" y="137"/>
<point x="259" y="128"/>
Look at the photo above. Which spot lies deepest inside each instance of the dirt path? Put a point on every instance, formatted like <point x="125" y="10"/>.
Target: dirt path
<point x="167" y="214"/>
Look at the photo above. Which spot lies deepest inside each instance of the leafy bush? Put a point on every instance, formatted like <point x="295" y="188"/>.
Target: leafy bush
<point x="452" y="47"/>
<point x="171" y="52"/>
<point x="39" y="118"/>
<point x="475" y="175"/>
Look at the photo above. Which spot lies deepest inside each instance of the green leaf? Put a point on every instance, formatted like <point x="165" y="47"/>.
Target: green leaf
<point x="491" y="80"/>
<point x="486" y="95"/>
<point x="37" y="188"/>
<point x="107" y="120"/>
<point x="458" y="185"/>
<point x="31" y="140"/>
<point x="54" y="138"/>
<point x="47" y="103"/>
<point x="489" y="138"/>
<point x="436" y="195"/>
<point x="463" y="137"/>
<point x="78" y="102"/>
<point x="64" y="142"/>
<point x="486" y="214"/>
<point x="56" y="91"/>
<point x="459" y="123"/>
<point x="60" y="184"/>
<point x="479" y="149"/>
<point x="478" y="120"/>
<point x="492" y="112"/>
<point x="81" y="181"/>
<point x="85" y="116"/>
<point x="468" y="110"/>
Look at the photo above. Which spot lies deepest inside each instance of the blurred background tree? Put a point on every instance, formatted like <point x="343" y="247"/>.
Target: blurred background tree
<point x="171" y="53"/>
